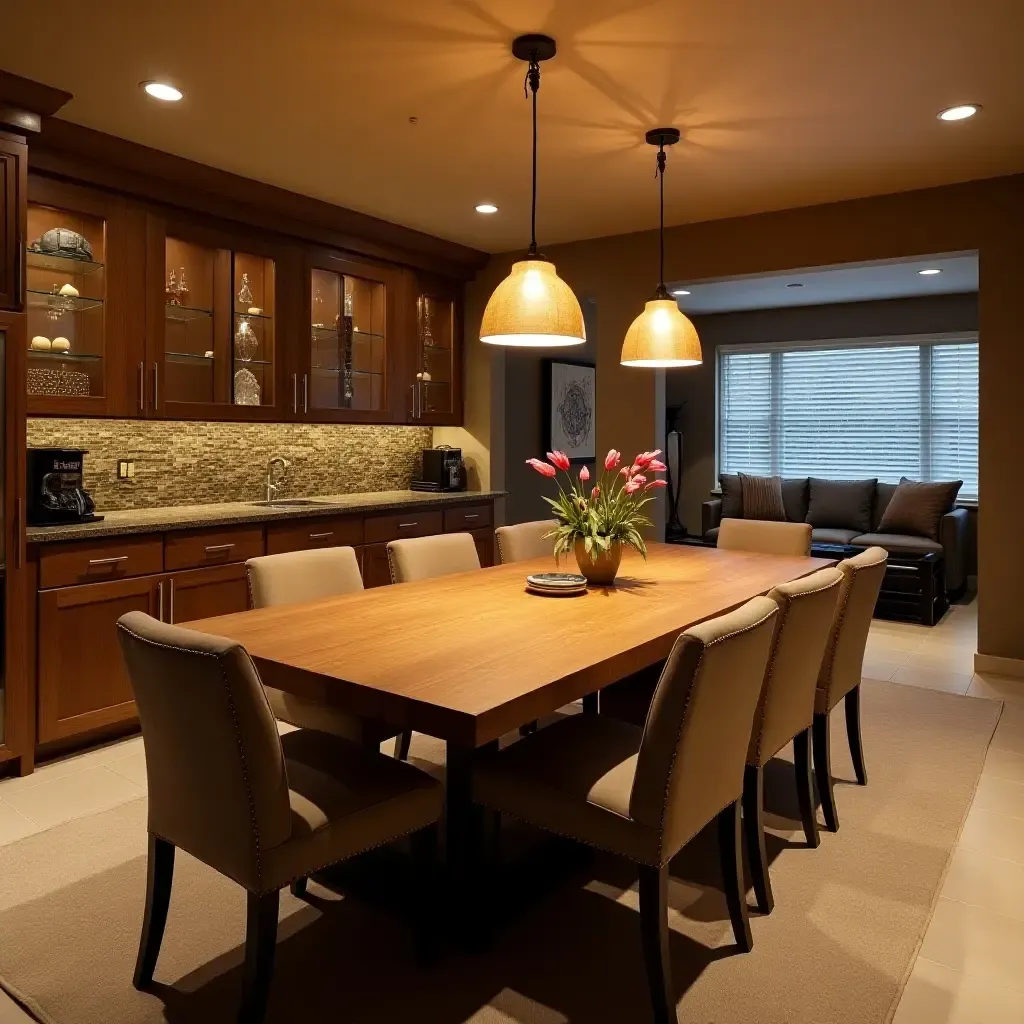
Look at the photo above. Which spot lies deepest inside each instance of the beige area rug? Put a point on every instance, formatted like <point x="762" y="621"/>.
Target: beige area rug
<point x="848" y="920"/>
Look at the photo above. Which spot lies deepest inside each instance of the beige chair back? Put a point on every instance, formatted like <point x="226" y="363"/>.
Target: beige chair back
<point x="422" y="558"/>
<point x="296" y="576"/>
<point x="844" y="655"/>
<point x="806" y="609"/>
<point x="525" y="540"/>
<point x="694" y="746"/>
<point x="765" y="536"/>
<point x="217" y="781"/>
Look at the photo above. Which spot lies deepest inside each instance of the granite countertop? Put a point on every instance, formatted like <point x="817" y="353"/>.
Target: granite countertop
<point x="185" y="517"/>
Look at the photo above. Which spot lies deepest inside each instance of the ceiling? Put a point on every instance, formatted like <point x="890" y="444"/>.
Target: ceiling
<point x="862" y="282"/>
<point x="781" y="104"/>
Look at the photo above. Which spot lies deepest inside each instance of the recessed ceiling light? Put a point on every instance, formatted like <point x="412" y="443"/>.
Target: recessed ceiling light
<point x="959" y="112"/>
<point x="163" y="91"/>
<point x="930" y="272"/>
<point x="794" y="284"/>
<point x="486" y="208"/>
<point x="680" y="291"/>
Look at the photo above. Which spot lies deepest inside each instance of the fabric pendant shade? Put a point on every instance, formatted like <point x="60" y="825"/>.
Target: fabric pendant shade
<point x="533" y="307"/>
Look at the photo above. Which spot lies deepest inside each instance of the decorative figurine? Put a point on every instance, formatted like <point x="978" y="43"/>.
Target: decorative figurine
<point x="318" y="310"/>
<point x="247" y="388"/>
<point x="171" y="290"/>
<point x="246" y="341"/>
<point x="60" y="345"/>
<point x="40" y="344"/>
<point x="245" y="292"/>
<point x="69" y="289"/>
<point x="182" y="291"/>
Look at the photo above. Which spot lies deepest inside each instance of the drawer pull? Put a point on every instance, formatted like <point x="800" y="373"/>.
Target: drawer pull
<point x="216" y="549"/>
<point x="474" y="516"/>
<point x="321" y="536"/>
<point x="407" y="526"/>
<point x="108" y="561"/>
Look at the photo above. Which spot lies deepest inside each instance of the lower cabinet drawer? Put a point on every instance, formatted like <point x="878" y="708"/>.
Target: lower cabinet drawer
<point x="88" y="561"/>
<point x="326" y="532"/>
<point x="381" y="529"/>
<point x="195" y="549"/>
<point x="466" y="517"/>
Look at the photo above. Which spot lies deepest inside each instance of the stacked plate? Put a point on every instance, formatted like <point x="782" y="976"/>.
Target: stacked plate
<point x="556" y="584"/>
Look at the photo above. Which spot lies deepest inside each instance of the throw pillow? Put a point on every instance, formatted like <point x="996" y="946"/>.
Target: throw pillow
<point x="732" y="496"/>
<point x="762" y="497"/>
<point x="917" y="508"/>
<point x="841" y="504"/>
<point x="794" y="497"/>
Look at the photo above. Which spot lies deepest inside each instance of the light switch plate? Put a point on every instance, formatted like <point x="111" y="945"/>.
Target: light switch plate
<point x="125" y="469"/>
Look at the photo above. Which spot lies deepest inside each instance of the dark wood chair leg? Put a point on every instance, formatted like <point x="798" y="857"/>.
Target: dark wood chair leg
<point x="852" y="702"/>
<point x="805" y="786"/>
<point x="730" y="846"/>
<point x="423" y="845"/>
<point x="654" y="925"/>
<point x="592" y="703"/>
<point x="823" y="771"/>
<point x="298" y="887"/>
<point x="159" y="875"/>
<point x="753" y="826"/>
<point x="402" y="743"/>
<point x="260" y="947"/>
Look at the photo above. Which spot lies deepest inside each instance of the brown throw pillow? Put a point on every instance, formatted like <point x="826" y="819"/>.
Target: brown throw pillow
<point x="732" y="496"/>
<point x="762" y="497"/>
<point x="841" y="504"/>
<point x="917" y="508"/>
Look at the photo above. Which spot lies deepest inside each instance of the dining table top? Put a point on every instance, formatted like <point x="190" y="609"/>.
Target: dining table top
<point x="470" y="656"/>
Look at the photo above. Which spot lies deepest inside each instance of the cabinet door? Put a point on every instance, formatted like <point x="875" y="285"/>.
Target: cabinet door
<point x="83" y="683"/>
<point x="376" y="570"/>
<point x="13" y="163"/>
<point x="484" y="540"/>
<point x="433" y="391"/>
<point x="205" y="593"/>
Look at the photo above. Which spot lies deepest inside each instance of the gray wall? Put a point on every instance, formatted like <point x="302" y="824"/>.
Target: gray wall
<point x="695" y="389"/>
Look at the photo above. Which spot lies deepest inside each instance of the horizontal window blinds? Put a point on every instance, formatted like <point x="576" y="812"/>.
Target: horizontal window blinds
<point x="852" y="411"/>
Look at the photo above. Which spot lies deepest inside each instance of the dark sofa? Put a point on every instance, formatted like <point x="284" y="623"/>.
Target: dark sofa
<point x="837" y="512"/>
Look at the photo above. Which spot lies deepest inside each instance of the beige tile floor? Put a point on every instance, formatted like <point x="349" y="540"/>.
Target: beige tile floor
<point x="971" y="966"/>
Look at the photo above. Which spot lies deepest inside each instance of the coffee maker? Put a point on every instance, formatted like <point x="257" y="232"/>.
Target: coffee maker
<point x="55" y="491"/>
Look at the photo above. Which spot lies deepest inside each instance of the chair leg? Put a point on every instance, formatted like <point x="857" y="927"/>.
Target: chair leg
<point x="730" y="846"/>
<point x="654" y="925"/>
<point x="424" y="853"/>
<point x="592" y="703"/>
<point x="753" y="826"/>
<point x="852" y="703"/>
<point x="402" y="743"/>
<point x="805" y="786"/>
<point x="298" y="887"/>
<point x="159" y="875"/>
<point x="823" y="771"/>
<point x="260" y="947"/>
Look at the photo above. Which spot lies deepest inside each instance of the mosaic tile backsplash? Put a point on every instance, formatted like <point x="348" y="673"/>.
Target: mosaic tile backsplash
<point x="186" y="463"/>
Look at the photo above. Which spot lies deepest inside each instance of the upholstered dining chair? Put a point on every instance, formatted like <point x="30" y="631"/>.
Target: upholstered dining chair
<point x="525" y="540"/>
<point x="296" y="576"/>
<point x="841" y="668"/>
<point x="786" y="711"/>
<point x="766" y="536"/>
<point x="266" y="811"/>
<point x="423" y="558"/>
<point x="645" y="793"/>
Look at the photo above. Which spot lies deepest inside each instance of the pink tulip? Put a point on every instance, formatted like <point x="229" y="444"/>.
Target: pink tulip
<point x="644" y="458"/>
<point x="594" y="493"/>
<point x="542" y="467"/>
<point x="559" y="460"/>
<point x="584" y="474"/>
<point x="611" y="460"/>
<point x="625" y="471"/>
<point x="657" y="466"/>
<point x="636" y="467"/>
<point x="633" y="486"/>
<point x="656" y="483"/>
<point x="639" y="480"/>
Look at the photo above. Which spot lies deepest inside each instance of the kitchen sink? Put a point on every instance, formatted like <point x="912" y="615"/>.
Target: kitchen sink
<point x="291" y="503"/>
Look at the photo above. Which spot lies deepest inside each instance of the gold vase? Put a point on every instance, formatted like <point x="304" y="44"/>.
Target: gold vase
<point x="599" y="569"/>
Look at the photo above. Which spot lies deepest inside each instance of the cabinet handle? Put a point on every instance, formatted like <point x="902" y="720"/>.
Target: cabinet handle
<point x="170" y="595"/>
<point x="305" y="393"/>
<point x="214" y="549"/>
<point x="474" y="516"/>
<point x="156" y="387"/>
<point x="406" y="526"/>
<point x="321" y="536"/>
<point x="295" y="393"/>
<point x="108" y="561"/>
<point x="142" y="387"/>
<point x="413" y="386"/>
<point x="160" y="600"/>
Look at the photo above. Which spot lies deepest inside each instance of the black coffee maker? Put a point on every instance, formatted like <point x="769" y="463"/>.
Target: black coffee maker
<point x="55" y="491"/>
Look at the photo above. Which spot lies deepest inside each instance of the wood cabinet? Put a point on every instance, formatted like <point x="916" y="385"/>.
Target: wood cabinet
<point x="376" y="568"/>
<point x="432" y="388"/>
<point x="13" y="169"/>
<point x="205" y="593"/>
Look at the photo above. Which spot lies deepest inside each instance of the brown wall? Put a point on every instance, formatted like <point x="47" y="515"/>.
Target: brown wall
<point x="986" y="216"/>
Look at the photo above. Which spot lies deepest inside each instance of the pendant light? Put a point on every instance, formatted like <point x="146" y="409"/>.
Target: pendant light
<point x="661" y="336"/>
<point x="533" y="307"/>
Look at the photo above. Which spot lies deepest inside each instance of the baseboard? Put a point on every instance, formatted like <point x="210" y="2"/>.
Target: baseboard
<point x="999" y="666"/>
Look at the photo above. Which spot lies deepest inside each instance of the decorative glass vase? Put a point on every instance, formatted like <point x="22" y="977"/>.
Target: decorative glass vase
<point x="601" y="568"/>
<point x="246" y="341"/>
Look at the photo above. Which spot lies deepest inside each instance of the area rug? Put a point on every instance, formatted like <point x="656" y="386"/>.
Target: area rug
<point x="847" y="923"/>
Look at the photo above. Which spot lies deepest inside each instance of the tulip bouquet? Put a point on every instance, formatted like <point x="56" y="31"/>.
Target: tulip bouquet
<point x="595" y="522"/>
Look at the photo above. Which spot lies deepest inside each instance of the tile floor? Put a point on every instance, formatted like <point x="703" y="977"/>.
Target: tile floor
<point x="969" y="968"/>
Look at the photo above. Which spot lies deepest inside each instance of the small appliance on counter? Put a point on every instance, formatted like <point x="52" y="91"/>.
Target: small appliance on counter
<point x="55" y="491"/>
<point x="442" y="470"/>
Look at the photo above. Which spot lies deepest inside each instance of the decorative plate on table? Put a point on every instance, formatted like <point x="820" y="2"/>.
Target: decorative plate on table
<point x="559" y="584"/>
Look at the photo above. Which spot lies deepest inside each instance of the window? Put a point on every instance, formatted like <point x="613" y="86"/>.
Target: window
<point x="848" y="410"/>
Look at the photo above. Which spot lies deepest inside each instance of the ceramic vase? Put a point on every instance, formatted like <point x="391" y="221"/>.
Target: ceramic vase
<point x="600" y="569"/>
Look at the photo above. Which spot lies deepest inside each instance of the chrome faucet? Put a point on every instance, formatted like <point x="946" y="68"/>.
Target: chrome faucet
<point x="274" y="480"/>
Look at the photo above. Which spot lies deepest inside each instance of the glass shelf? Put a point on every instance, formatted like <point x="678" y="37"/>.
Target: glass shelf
<point x="47" y="300"/>
<point x="252" y="316"/>
<point x="183" y="314"/>
<point x="437" y="348"/>
<point x="63" y="356"/>
<point x="210" y="359"/>
<point x="329" y="371"/>
<point x="334" y="332"/>
<point x="60" y="264"/>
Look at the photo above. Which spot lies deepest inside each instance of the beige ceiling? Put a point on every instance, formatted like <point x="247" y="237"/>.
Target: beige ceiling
<point x="781" y="102"/>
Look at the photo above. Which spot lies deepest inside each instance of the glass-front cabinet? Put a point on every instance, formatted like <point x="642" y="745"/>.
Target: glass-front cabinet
<point x="435" y="386"/>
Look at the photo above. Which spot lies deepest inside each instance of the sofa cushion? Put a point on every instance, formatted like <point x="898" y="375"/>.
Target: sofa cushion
<point x="841" y="504"/>
<point x="883" y="495"/>
<point x="762" y="497"/>
<point x="794" y="497"/>
<point x="822" y="535"/>
<point x="732" y="496"/>
<point x="712" y="534"/>
<point x="898" y="543"/>
<point x="917" y="508"/>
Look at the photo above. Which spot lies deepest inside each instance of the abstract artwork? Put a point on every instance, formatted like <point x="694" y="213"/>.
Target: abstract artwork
<point x="572" y="417"/>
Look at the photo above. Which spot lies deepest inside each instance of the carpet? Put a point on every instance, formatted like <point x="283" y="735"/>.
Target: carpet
<point x="848" y="920"/>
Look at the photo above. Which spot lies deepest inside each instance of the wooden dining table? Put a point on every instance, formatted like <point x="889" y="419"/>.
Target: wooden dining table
<point x="472" y="656"/>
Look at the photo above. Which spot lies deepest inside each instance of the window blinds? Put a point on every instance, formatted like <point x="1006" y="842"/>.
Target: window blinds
<point x="852" y="410"/>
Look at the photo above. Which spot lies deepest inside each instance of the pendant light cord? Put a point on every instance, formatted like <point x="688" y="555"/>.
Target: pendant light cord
<point x="660" y="175"/>
<point x="530" y="86"/>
